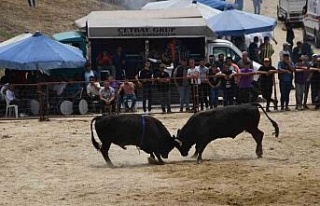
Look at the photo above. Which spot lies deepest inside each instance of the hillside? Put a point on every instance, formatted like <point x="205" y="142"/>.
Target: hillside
<point x="48" y="16"/>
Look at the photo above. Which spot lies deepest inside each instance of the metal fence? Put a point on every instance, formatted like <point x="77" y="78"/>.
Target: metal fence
<point x="44" y="101"/>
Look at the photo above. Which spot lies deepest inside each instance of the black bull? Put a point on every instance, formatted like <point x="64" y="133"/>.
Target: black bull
<point x="145" y="132"/>
<point x="229" y="121"/>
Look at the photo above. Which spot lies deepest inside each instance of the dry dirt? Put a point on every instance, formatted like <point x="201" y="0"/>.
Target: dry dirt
<point x="54" y="163"/>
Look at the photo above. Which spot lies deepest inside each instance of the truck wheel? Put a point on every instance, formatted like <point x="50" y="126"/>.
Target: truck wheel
<point x="316" y="39"/>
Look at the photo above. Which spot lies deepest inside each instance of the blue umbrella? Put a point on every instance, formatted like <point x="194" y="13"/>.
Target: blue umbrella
<point x="218" y="4"/>
<point x="40" y="52"/>
<point x="237" y="23"/>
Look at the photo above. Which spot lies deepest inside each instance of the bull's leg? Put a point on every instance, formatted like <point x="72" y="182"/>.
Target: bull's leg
<point x="104" y="150"/>
<point x="152" y="159"/>
<point x="257" y="136"/>
<point x="196" y="153"/>
<point x="200" y="148"/>
<point x="161" y="162"/>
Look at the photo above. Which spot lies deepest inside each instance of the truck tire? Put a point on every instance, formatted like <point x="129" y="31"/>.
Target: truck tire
<point x="316" y="39"/>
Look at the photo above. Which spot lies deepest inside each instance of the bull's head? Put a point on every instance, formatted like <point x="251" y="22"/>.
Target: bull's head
<point x="181" y="145"/>
<point x="168" y="146"/>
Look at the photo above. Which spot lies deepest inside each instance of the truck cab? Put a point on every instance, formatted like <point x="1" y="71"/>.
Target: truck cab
<point x="311" y="22"/>
<point x="290" y="10"/>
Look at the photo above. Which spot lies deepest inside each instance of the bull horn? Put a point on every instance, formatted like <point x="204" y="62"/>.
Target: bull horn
<point x="179" y="142"/>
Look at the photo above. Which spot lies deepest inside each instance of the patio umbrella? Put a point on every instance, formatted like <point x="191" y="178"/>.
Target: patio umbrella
<point x="40" y="52"/>
<point x="238" y="23"/>
<point x="16" y="39"/>
<point x="218" y="4"/>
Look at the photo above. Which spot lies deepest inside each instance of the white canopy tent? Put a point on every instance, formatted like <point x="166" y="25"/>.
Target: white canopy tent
<point x="137" y="14"/>
<point x="145" y="23"/>
<point x="206" y="11"/>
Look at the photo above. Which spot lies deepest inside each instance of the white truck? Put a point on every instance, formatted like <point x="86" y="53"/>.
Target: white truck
<point x="311" y="21"/>
<point x="290" y="10"/>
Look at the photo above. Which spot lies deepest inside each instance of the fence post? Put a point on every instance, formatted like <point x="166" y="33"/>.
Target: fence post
<point x="43" y="102"/>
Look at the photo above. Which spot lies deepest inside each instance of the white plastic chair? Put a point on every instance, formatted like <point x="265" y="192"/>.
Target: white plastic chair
<point x="13" y="108"/>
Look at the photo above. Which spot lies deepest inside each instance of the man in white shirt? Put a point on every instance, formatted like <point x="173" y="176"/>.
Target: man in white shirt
<point x="13" y="100"/>
<point x="193" y="75"/>
<point x="203" y="86"/>
<point x="93" y="87"/>
<point x="107" y="97"/>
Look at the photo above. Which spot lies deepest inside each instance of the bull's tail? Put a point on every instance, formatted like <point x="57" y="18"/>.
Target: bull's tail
<point x="94" y="142"/>
<point x="274" y="124"/>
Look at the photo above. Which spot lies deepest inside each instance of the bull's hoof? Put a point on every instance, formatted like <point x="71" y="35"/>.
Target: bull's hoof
<point x="153" y="161"/>
<point x="110" y="165"/>
<point x="195" y="156"/>
<point x="259" y="154"/>
<point x="199" y="161"/>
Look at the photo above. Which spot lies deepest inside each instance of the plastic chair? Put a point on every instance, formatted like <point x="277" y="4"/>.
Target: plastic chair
<point x="10" y="108"/>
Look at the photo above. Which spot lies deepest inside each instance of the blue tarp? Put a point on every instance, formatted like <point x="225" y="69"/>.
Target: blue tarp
<point x="39" y="52"/>
<point x="218" y="4"/>
<point x="237" y="23"/>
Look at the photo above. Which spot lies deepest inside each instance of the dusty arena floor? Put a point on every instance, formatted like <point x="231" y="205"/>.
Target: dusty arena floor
<point x="54" y="163"/>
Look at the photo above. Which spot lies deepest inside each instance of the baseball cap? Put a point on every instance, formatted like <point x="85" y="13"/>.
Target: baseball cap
<point x="286" y="44"/>
<point x="266" y="59"/>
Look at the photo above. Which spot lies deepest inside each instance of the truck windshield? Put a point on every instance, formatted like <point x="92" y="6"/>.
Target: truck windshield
<point x="227" y="53"/>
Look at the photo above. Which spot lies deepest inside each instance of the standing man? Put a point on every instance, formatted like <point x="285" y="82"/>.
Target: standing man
<point x="267" y="72"/>
<point x="162" y="79"/>
<point x="239" y="4"/>
<point x="297" y="52"/>
<point x="285" y="50"/>
<point x="220" y="61"/>
<point x="285" y="75"/>
<point x="145" y="78"/>
<point x="228" y="84"/>
<point x="289" y="36"/>
<point x="203" y="86"/>
<point x="194" y="77"/>
<point x="300" y="80"/>
<point x="211" y="61"/>
<point x="183" y="84"/>
<point x="214" y="82"/>
<point x="253" y="50"/>
<point x="119" y="61"/>
<point x="266" y="49"/>
<point x="257" y="6"/>
<point x="88" y="72"/>
<point x="244" y="84"/>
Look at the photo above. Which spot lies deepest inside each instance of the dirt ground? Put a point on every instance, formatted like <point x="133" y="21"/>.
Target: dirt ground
<point x="54" y="163"/>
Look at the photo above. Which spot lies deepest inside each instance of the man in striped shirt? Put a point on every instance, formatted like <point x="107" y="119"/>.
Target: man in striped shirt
<point x="266" y="49"/>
